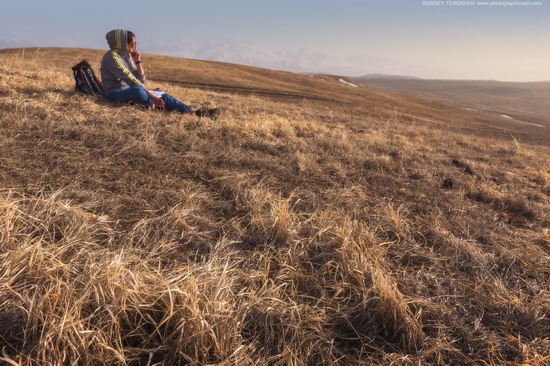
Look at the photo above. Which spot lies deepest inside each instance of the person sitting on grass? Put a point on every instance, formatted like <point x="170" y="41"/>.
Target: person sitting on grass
<point x="123" y="78"/>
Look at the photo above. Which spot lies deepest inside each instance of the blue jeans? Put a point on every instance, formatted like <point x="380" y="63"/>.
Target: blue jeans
<point x="138" y="95"/>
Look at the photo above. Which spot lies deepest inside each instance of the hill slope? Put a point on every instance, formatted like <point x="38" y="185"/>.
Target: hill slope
<point x="527" y="103"/>
<point x="314" y="226"/>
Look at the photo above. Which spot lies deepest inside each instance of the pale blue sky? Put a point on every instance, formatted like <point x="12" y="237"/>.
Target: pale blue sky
<point x="348" y="37"/>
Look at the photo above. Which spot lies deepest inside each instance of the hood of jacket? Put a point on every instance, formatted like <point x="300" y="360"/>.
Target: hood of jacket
<point x="117" y="40"/>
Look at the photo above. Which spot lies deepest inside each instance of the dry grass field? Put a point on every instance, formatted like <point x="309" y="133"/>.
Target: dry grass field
<point x="313" y="223"/>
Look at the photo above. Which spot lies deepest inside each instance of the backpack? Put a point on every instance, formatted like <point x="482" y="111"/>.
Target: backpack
<point x="85" y="79"/>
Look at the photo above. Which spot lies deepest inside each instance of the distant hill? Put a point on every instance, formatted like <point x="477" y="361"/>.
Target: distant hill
<point x="525" y="101"/>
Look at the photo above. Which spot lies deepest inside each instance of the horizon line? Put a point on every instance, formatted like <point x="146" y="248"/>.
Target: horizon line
<point x="394" y="77"/>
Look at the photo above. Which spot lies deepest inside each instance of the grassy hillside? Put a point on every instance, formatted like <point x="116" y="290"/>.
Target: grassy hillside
<point x="527" y="103"/>
<point x="308" y="225"/>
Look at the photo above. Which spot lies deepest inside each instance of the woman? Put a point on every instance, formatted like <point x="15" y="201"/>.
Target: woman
<point x="123" y="77"/>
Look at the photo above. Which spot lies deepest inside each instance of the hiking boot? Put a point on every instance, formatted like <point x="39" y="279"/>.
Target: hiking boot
<point x="212" y="113"/>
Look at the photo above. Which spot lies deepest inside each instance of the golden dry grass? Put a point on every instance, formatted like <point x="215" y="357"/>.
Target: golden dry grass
<point x="302" y="232"/>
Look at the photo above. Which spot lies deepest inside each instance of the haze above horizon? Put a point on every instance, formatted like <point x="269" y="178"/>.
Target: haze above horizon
<point x="428" y="39"/>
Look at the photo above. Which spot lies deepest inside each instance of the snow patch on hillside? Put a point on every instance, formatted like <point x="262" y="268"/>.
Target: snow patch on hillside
<point x="347" y="83"/>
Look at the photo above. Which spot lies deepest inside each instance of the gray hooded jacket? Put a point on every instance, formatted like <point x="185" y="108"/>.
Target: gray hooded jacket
<point x="118" y="70"/>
